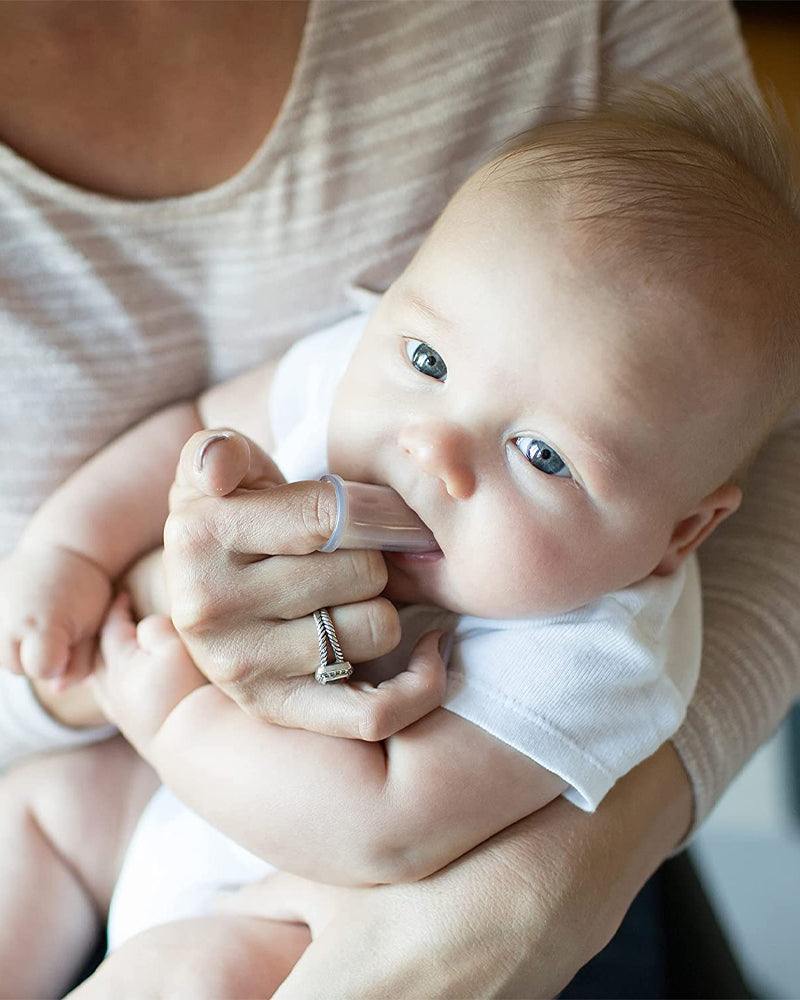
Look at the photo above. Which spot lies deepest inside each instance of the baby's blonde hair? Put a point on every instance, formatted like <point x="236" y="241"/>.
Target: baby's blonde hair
<point x="709" y="184"/>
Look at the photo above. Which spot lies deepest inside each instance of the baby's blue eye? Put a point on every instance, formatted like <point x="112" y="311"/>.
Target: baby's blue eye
<point x="423" y="357"/>
<point x="543" y="457"/>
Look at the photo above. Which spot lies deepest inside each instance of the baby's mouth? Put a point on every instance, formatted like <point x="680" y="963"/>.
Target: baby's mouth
<point x="404" y="558"/>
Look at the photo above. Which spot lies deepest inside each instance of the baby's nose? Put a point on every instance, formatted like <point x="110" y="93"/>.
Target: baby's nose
<point x="443" y="451"/>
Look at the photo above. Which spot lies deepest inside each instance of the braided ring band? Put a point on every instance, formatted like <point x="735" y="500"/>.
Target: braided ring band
<point x="340" y="669"/>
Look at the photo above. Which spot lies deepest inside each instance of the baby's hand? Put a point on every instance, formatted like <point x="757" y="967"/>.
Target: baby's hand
<point x="52" y="603"/>
<point x="143" y="674"/>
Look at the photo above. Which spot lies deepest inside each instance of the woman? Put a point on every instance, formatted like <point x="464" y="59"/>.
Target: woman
<point x="191" y="187"/>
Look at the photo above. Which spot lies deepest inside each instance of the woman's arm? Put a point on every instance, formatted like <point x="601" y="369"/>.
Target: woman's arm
<point x="750" y="673"/>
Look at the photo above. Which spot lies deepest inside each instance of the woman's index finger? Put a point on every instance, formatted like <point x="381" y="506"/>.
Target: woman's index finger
<point x="289" y="519"/>
<point x="278" y="519"/>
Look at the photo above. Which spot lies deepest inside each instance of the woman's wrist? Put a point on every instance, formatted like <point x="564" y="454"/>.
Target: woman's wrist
<point x="586" y="868"/>
<point x="573" y="876"/>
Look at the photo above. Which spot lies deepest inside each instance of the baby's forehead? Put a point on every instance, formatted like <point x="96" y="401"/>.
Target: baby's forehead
<point x="648" y="259"/>
<point x="672" y="211"/>
<point x="689" y="295"/>
<point x="654" y="213"/>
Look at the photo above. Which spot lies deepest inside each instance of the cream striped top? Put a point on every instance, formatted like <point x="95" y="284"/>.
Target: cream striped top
<point x="113" y="308"/>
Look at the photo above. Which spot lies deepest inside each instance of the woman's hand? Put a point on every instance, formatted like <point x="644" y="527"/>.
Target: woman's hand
<point x="516" y="917"/>
<point x="244" y="575"/>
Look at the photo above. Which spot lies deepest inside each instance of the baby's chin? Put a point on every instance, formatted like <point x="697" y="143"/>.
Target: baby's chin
<point x="406" y="585"/>
<point x="404" y="588"/>
<point x="404" y="591"/>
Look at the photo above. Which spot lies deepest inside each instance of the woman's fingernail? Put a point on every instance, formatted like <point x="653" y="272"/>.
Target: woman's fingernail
<point x="202" y="451"/>
<point x="445" y="646"/>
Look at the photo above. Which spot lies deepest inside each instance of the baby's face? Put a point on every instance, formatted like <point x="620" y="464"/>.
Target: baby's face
<point x="503" y="387"/>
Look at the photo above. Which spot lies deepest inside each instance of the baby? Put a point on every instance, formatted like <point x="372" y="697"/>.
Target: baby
<point x="566" y="384"/>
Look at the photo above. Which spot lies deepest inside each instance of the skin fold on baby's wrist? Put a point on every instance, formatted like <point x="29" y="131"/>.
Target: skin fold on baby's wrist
<point x="35" y="541"/>
<point x="75" y="706"/>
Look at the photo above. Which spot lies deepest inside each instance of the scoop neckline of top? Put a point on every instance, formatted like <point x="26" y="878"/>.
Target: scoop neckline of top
<point x="69" y="195"/>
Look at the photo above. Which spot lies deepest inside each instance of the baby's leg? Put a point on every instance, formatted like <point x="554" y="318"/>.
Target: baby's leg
<point x="206" y="958"/>
<point x="65" y="820"/>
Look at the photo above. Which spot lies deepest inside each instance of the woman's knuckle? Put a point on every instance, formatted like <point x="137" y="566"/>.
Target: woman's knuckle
<point x="225" y="667"/>
<point x="282" y="705"/>
<point x="316" y="516"/>
<point x="182" y="532"/>
<point x="200" y="529"/>
<point x="376" y="722"/>
<point x="194" y="608"/>
<point x="376" y="572"/>
<point x="383" y="624"/>
<point x="175" y="529"/>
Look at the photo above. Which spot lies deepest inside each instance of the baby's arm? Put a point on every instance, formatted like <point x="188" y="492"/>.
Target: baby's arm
<point x="56" y="584"/>
<point x="330" y="809"/>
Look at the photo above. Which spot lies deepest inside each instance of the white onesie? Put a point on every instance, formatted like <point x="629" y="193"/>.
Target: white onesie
<point x="588" y="694"/>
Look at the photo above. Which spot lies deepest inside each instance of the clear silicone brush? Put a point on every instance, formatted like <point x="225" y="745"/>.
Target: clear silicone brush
<point x="375" y="517"/>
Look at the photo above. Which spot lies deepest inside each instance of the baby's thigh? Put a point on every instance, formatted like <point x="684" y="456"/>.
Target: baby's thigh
<point x="85" y="804"/>
<point x="205" y="958"/>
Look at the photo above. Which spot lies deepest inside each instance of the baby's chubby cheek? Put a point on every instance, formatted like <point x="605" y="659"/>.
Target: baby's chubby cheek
<point x="502" y="577"/>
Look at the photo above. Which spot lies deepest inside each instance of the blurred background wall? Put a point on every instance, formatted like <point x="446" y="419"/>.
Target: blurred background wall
<point x="748" y="854"/>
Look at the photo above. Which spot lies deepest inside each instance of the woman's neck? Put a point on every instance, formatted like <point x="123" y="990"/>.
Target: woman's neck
<point x="144" y="100"/>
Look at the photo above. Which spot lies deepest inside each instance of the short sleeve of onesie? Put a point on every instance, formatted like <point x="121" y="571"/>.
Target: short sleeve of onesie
<point x="588" y="694"/>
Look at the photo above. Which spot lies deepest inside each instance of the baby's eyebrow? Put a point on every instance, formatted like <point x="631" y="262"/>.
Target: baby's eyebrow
<point x="425" y="309"/>
<point x="594" y="459"/>
<point x="604" y="457"/>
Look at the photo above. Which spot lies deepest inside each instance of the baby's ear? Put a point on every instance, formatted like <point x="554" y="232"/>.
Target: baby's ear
<point x="697" y="526"/>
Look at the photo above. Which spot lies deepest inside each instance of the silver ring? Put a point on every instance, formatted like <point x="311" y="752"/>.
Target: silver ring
<point x="340" y="669"/>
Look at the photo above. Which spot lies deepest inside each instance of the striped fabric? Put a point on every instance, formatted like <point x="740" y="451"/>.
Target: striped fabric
<point x="113" y="308"/>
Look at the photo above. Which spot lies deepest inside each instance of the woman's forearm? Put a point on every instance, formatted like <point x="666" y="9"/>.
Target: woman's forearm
<point x="583" y="870"/>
